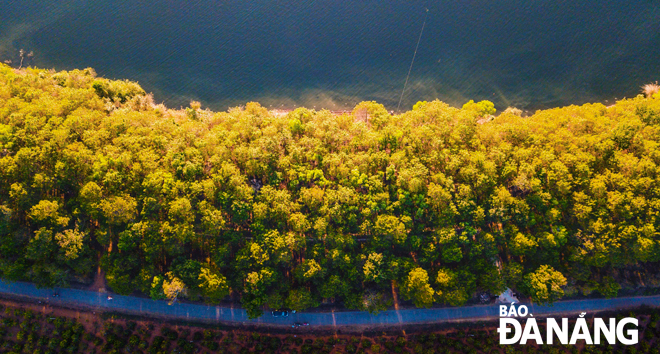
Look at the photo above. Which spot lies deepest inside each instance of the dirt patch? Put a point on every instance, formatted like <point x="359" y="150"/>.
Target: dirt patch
<point x="99" y="281"/>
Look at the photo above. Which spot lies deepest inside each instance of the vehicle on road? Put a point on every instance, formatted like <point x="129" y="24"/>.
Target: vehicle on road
<point x="280" y="313"/>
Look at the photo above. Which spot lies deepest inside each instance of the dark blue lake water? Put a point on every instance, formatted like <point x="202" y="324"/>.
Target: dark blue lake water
<point x="332" y="54"/>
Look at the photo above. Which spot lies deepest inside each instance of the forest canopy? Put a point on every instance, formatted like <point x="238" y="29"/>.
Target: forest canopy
<point x="311" y="207"/>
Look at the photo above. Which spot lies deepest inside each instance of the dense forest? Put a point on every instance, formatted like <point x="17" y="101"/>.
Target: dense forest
<point x="430" y="206"/>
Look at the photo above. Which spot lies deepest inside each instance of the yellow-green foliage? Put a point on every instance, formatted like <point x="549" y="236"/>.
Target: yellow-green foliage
<point x="292" y="209"/>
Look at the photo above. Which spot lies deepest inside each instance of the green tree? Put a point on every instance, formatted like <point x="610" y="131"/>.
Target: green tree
<point x="335" y="287"/>
<point x="173" y="288"/>
<point x="451" y="290"/>
<point x="608" y="287"/>
<point x="512" y="274"/>
<point x="71" y="242"/>
<point x="390" y="227"/>
<point x="418" y="289"/>
<point x="482" y="108"/>
<point x="372" y="112"/>
<point x="256" y="286"/>
<point x="309" y="270"/>
<point x="371" y="301"/>
<point x="214" y="285"/>
<point x="545" y="285"/>
<point x="157" y="292"/>
<point x="40" y="246"/>
<point x="119" y="210"/>
<point x="373" y="268"/>
<point x="46" y="212"/>
<point x="300" y="299"/>
<point x="181" y="211"/>
<point x="522" y="245"/>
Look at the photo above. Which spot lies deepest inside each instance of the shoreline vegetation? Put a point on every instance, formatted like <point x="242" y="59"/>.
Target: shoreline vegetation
<point x="365" y="209"/>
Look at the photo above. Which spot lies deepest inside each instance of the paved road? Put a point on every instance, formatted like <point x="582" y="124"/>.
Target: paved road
<point x="147" y="307"/>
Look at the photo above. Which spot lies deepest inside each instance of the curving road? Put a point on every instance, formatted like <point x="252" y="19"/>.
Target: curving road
<point x="228" y="315"/>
